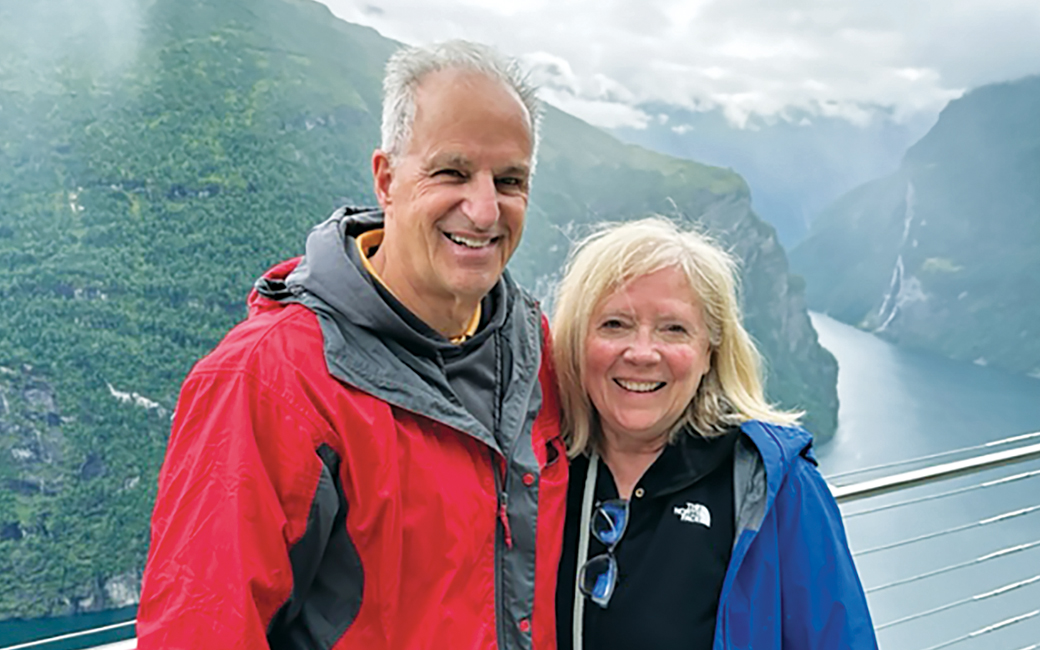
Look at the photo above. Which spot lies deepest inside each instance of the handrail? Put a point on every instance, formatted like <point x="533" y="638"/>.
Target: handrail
<point x="70" y="635"/>
<point x="942" y="454"/>
<point x="926" y="475"/>
<point x="842" y="493"/>
<point x="943" y="495"/>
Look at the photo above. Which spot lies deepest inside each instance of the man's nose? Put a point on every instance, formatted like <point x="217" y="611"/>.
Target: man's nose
<point x="481" y="204"/>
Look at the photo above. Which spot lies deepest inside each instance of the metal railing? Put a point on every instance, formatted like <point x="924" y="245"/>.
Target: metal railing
<point x="985" y="598"/>
<point x="941" y="472"/>
<point x="45" y="643"/>
<point x="847" y="493"/>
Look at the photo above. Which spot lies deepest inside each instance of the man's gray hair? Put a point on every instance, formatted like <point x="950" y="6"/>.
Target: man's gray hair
<point x="409" y="66"/>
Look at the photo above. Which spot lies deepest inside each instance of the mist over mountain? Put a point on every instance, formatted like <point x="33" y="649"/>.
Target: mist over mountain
<point x="944" y="254"/>
<point x="156" y="156"/>
<point x="795" y="165"/>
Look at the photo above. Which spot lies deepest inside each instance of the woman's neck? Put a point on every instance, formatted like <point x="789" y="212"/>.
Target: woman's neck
<point x="629" y="460"/>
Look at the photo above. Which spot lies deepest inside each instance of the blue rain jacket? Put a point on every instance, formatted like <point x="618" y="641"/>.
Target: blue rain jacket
<point x="791" y="582"/>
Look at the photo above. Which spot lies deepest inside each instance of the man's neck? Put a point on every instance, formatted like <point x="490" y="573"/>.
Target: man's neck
<point x="454" y="321"/>
<point x="454" y="318"/>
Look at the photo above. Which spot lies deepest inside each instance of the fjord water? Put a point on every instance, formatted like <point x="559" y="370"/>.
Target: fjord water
<point x="16" y="632"/>
<point x="899" y="404"/>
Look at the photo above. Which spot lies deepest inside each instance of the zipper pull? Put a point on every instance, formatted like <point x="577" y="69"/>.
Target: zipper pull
<point x="503" y="516"/>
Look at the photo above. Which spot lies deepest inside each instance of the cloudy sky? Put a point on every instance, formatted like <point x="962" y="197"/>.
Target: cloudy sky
<point x="603" y="59"/>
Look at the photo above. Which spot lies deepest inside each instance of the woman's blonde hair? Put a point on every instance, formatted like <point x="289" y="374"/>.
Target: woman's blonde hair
<point x="729" y="394"/>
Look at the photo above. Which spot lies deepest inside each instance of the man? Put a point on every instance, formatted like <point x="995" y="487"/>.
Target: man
<point x="372" y="460"/>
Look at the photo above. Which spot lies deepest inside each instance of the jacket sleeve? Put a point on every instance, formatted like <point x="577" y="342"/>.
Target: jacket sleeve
<point x="234" y="494"/>
<point x="823" y="603"/>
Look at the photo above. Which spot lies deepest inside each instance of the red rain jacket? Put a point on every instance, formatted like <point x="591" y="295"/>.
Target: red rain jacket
<point x="298" y="511"/>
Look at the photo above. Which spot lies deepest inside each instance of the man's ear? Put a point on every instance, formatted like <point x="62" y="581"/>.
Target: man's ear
<point x="382" y="176"/>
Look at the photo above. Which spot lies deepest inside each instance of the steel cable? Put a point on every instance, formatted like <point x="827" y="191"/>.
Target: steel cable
<point x="972" y="599"/>
<point x="950" y="531"/>
<point x="986" y="630"/>
<point x="953" y="567"/>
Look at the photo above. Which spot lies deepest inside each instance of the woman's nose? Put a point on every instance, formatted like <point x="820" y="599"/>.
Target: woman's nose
<point x="642" y="349"/>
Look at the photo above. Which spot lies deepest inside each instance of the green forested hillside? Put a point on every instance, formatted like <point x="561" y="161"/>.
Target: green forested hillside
<point x="155" y="157"/>
<point x="945" y="253"/>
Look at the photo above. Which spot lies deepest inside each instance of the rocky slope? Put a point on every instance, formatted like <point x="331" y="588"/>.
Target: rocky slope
<point x="944" y="254"/>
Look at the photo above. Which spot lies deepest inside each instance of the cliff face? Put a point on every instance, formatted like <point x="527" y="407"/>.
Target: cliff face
<point x="63" y="503"/>
<point x="153" y="162"/>
<point x="944" y="254"/>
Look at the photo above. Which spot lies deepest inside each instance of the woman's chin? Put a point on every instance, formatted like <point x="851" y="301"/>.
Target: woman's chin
<point x="637" y="434"/>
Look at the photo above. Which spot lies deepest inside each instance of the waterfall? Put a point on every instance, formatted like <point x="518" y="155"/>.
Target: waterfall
<point x="899" y="292"/>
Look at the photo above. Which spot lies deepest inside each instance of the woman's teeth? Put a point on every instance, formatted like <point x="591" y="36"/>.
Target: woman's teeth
<point x="640" y="386"/>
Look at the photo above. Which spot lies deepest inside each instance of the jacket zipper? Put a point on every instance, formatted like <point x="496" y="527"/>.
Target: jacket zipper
<point x="506" y="539"/>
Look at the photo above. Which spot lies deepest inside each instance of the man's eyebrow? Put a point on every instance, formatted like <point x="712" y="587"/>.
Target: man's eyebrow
<point x="514" y="170"/>
<point x="449" y="160"/>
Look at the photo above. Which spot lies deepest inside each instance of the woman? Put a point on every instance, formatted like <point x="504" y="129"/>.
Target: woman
<point x="696" y="517"/>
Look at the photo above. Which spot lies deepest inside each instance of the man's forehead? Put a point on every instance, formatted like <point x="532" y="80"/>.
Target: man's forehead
<point x="459" y="84"/>
<point x="468" y="119"/>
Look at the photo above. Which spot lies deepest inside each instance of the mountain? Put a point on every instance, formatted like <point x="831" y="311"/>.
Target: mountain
<point x="156" y="156"/>
<point x="944" y="254"/>
<point x="796" y="164"/>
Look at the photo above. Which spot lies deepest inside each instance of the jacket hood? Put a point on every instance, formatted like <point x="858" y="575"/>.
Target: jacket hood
<point x="269" y="289"/>
<point x="330" y="272"/>
<point x="370" y="345"/>
<point x="763" y="458"/>
<point x="325" y="270"/>
<point x="778" y="446"/>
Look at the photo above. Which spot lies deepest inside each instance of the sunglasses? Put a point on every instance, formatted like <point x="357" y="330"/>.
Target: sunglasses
<point x="598" y="577"/>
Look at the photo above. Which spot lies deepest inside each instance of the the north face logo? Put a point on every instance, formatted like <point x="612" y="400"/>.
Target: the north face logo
<point x="694" y="513"/>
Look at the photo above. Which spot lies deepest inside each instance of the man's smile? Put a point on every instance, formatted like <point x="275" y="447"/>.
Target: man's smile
<point x="471" y="242"/>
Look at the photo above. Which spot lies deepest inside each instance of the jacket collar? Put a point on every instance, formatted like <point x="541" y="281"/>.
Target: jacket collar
<point x="369" y="346"/>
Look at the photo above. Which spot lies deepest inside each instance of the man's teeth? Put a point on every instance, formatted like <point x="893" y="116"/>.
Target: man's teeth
<point x="469" y="243"/>
<point x="640" y="386"/>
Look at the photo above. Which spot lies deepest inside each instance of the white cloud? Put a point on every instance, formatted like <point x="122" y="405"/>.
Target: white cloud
<point x="602" y="113"/>
<point x="854" y="59"/>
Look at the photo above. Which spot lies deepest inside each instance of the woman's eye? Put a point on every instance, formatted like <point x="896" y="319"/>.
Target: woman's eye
<point x="677" y="330"/>
<point x="612" y="324"/>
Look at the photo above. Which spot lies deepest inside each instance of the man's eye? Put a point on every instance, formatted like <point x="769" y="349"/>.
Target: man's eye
<point x="510" y="181"/>
<point x="450" y="173"/>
